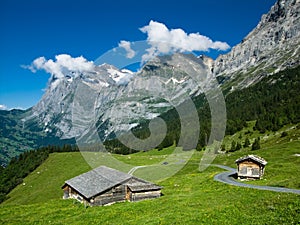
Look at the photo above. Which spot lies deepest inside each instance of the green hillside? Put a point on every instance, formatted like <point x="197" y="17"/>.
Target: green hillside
<point x="190" y="197"/>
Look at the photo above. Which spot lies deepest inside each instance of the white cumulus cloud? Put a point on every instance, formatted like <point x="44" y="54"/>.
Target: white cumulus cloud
<point x="3" y="107"/>
<point x="127" y="46"/>
<point x="62" y="63"/>
<point x="165" y="40"/>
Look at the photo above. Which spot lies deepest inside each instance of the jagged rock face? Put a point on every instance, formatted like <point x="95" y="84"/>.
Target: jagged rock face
<point x="54" y="111"/>
<point x="114" y="100"/>
<point x="272" y="46"/>
<point x="161" y="85"/>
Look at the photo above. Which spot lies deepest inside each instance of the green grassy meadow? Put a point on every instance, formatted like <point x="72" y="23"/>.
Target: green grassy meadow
<point x="189" y="197"/>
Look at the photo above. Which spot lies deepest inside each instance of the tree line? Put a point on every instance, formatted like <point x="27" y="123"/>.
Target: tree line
<point x="19" y="167"/>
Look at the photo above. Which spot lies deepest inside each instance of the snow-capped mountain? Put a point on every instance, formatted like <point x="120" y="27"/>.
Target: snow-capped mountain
<point x="117" y="100"/>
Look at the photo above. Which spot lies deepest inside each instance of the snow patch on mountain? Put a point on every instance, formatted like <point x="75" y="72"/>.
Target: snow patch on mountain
<point x="120" y="77"/>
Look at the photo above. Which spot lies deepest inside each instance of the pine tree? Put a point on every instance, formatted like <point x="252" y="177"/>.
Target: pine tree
<point x="233" y="146"/>
<point x="256" y="144"/>
<point x="223" y="147"/>
<point x="238" y="146"/>
<point x="247" y="143"/>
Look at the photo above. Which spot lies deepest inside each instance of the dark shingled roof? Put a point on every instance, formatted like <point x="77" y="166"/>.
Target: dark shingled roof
<point x="97" y="181"/>
<point x="253" y="157"/>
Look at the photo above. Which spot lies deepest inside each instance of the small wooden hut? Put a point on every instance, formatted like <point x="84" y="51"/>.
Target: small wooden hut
<point x="104" y="185"/>
<point x="250" y="167"/>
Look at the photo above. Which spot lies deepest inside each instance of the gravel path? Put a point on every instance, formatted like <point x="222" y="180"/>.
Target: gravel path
<point x="134" y="169"/>
<point x="226" y="177"/>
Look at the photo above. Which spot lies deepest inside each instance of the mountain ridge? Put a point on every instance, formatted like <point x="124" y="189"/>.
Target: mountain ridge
<point x="273" y="45"/>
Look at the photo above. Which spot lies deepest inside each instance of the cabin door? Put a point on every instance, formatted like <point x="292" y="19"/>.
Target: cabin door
<point x="127" y="193"/>
<point x="249" y="171"/>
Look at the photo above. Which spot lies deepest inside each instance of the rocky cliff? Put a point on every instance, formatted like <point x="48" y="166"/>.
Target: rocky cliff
<point x="272" y="46"/>
<point x="103" y="99"/>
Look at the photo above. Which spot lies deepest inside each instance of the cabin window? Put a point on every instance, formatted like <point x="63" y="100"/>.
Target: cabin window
<point x="255" y="171"/>
<point x="243" y="170"/>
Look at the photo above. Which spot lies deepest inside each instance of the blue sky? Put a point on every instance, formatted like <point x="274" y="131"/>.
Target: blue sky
<point x="34" y="28"/>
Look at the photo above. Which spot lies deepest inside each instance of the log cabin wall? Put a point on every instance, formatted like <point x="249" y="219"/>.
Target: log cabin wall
<point x="69" y="192"/>
<point x="249" y="169"/>
<point x="66" y="192"/>
<point x="138" y="196"/>
<point x="116" y="194"/>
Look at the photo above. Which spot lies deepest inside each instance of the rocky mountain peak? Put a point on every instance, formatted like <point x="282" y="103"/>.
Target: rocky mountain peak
<point x="270" y="47"/>
<point x="118" y="97"/>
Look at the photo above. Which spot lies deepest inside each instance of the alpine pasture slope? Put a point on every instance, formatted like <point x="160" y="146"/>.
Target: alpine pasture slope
<point x="189" y="197"/>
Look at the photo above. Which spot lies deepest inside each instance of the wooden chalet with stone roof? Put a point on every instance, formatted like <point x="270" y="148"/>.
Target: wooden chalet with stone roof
<point x="250" y="167"/>
<point x="104" y="185"/>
